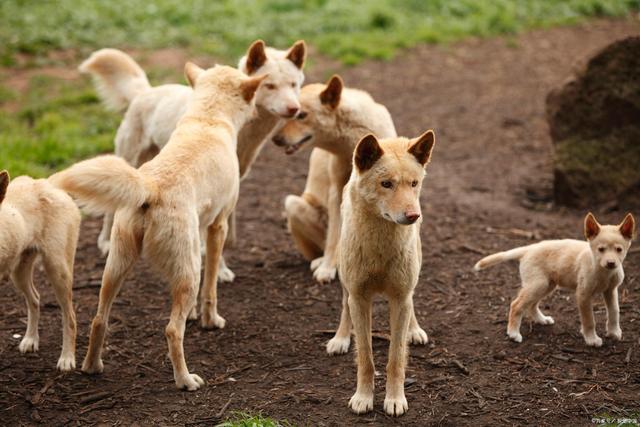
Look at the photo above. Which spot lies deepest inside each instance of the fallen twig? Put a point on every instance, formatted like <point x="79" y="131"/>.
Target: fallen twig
<point x="627" y="358"/>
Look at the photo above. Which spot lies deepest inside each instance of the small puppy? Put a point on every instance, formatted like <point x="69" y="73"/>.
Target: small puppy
<point x="161" y="209"/>
<point x="589" y="268"/>
<point x="38" y="219"/>
<point x="380" y="252"/>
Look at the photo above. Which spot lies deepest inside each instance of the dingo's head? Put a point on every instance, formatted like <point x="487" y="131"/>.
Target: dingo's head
<point x="317" y="117"/>
<point x="281" y="89"/>
<point x="609" y="243"/>
<point x="224" y="89"/>
<point x="388" y="174"/>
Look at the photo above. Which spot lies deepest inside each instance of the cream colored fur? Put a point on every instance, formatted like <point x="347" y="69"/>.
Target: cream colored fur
<point x="380" y="253"/>
<point x="163" y="208"/>
<point x="589" y="268"/>
<point x="332" y="120"/>
<point x="37" y="219"/>
<point x="153" y="113"/>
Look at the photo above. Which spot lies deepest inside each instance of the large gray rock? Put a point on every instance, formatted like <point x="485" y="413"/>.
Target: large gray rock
<point x="595" y="126"/>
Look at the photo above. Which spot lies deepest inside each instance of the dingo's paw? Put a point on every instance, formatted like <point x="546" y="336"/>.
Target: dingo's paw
<point x="225" y="275"/>
<point x="615" y="333"/>
<point x="67" y="363"/>
<point x="593" y="340"/>
<point x="395" y="406"/>
<point x="325" y="274"/>
<point x="189" y="382"/>
<point x="92" y="366"/>
<point x="193" y="314"/>
<point x="29" y="344"/>
<point x="338" y="345"/>
<point x="104" y="246"/>
<point x="316" y="263"/>
<point x="417" y="336"/>
<point x="212" y="322"/>
<point x="361" y="402"/>
<point x="515" y="336"/>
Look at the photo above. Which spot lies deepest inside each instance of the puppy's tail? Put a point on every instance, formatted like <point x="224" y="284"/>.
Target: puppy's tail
<point x="500" y="257"/>
<point x="104" y="184"/>
<point x="117" y="77"/>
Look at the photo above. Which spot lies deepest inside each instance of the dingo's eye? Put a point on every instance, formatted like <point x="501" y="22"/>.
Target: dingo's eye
<point x="414" y="183"/>
<point x="601" y="249"/>
<point x="293" y="85"/>
<point x="302" y="115"/>
<point x="270" y="86"/>
<point x="387" y="184"/>
<point x="618" y="249"/>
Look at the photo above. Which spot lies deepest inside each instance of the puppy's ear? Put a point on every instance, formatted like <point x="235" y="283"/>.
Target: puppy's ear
<point x="256" y="57"/>
<point x="192" y="72"/>
<point x="249" y="87"/>
<point x="422" y="147"/>
<point x="591" y="226"/>
<point x="628" y="227"/>
<point x="298" y="53"/>
<point x="4" y="183"/>
<point x="367" y="153"/>
<point x="330" y="96"/>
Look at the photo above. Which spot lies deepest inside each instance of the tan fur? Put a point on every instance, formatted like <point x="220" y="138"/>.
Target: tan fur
<point x="37" y="219"/>
<point x="154" y="112"/>
<point x="380" y="253"/>
<point x="333" y="119"/>
<point x="589" y="268"/>
<point x="161" y="209"/>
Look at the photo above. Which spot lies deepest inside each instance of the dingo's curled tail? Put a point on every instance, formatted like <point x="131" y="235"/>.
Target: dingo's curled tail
<point x="103" y="184"/>
<point x="117" y="77"/>
<point x="499" y="257"/>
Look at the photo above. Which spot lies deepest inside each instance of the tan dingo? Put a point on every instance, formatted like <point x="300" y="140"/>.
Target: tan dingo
<point x="589" y="268"/>
<point x="38" y="219"/>
<point x="380" y="252"/>
<point x="162" y="208"/>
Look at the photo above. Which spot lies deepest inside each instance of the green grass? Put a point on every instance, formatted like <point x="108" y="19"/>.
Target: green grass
<point x="245" y="420"/>
<point x="349" y="30"/>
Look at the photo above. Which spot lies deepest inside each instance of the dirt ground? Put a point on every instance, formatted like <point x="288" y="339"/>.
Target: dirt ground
<point x="490" y="177"/>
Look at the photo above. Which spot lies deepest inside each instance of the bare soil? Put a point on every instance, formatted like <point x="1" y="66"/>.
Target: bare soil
<point x="490" y="180"/>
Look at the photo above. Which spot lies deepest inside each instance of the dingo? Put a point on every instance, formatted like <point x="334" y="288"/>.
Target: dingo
<point x="38" y="219"/>
<point x="589" y="268"/>
<point x="162" y="208"/>
<point x="380" y="252"/>
<point x="153" y="112"/>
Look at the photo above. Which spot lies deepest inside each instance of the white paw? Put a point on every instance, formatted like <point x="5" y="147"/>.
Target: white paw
<point x="593" y="340"/>
<point x="515" y="336"/>
<point x="395" y="406"/>
<point x="190" y="382"/>
<point x="361" y="402"/>
<point x="225" y="275"/>
<point x="417" y="336"/>
<point x="29" y="344"/>
<point x="544" y="320"/>
<point x="193" y="314"/>
<point x="92" y="366"/>
<point x="104" y="246"/>
<point x="316" y="263"/>
<point x="67" y="363"/>
<point x="338" y="345"/>
<point x="212" y="322"/>
<point x="325" y="274"/>
<point x="615" y="333"/>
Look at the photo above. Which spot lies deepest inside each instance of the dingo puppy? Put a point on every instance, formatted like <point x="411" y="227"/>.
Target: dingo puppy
<point x="332" y="118"/>
<point x="161" y="208"/>
<point x="153" y="112"/>
<point x="38" y="219"/>
<point x="589" y="268"/>
<point x="380" y="252"/>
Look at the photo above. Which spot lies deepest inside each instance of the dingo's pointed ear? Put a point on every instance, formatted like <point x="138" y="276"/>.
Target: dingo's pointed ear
<point x="591" y="226"/>
<point x="422" y="147"/>
<point x="367" y="153"/>
<point x="331" y="94"/>
<point x="192" y="72"/>
<point x="4" y="183"/>
<point x="250" y="86"/>
<point x="628" y="227"/>
<point x="256" y="56"/>
<point x="298" y="53"/>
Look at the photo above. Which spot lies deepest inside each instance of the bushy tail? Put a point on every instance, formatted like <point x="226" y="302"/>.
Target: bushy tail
<point x="499" y="257"/>
<point x="117" y="77"/>
<point x="103" y="184"/>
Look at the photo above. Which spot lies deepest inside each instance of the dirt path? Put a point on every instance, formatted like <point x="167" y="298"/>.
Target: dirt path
<point x="490" y="170"/>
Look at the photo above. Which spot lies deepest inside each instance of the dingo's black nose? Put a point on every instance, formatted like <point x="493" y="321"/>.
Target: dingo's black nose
<point x="611" y="265"/>
<point x="292" y="111"/>
<point x="279" y="140"/>
<point x="412" y="216"/>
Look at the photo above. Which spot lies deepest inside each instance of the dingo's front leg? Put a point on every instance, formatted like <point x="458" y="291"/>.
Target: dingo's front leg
<point x="360" y="309"/>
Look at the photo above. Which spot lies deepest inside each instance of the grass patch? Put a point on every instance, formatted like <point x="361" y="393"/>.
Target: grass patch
<point x="348" y="30"/>
<point x="244" y="420"/>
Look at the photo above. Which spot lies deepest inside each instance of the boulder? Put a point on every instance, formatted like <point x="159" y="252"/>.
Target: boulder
<point x="594" y="118"/>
